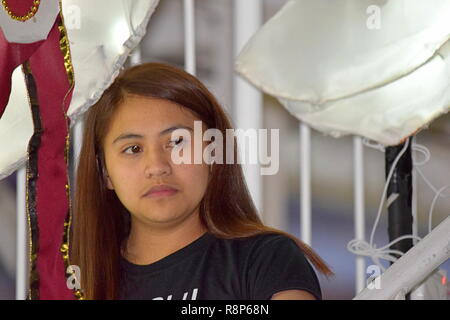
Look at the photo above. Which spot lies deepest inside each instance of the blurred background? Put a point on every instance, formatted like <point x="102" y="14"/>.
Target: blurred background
<point x="332" y="159"/>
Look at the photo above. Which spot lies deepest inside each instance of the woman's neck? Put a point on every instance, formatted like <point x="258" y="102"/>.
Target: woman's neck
<point x="147" y="245"/>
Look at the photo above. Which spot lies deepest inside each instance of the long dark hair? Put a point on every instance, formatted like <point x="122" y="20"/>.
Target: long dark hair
<point x="101" y="222"/>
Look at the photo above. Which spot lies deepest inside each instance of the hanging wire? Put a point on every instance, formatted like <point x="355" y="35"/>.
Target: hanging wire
<point x="363" y="248"/>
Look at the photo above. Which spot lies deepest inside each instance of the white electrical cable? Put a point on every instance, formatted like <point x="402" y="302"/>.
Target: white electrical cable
<point x="373" y="145"/>
<point x="361" y="247"/>
<point x="430" y="214"/>
<point x="383" y="196"/>
<point x="437" y="193"/>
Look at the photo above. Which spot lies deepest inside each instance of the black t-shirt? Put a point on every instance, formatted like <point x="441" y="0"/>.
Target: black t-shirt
<point x="210" y="268"/>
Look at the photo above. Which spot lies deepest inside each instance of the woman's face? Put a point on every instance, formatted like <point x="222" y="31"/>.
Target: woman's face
<point x="137" y="163"/>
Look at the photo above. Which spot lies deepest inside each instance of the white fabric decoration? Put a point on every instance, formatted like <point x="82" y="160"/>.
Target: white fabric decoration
<point x="34" y="29"/>
<point x="379" y="69"/>
<point x="102" y="34"/>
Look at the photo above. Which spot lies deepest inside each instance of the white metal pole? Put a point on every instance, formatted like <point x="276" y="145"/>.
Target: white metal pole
<point x="415" y="225"/>
<point x="189" y="37"/>
<point x="359" y="218"/>
<point x="413" y="267"/>
<point x="305" y="183"/>
<point x="247" y="99"/>
<point x="21" y="236"/>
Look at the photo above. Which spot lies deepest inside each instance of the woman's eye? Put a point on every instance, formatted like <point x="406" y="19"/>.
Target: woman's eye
<point x="176" y="142"/>
<point x="133" y="148"/>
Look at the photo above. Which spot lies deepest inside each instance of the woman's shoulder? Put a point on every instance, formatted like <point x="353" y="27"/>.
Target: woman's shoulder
<point x="271" y="262"/>
<point x="260" y="242"/>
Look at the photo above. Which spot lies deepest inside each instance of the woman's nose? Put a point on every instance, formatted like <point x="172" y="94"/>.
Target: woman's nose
<point x="157" y="164"/>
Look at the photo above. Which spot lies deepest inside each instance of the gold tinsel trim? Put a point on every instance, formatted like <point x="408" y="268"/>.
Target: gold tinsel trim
<point x="65" y="50"/>
<point x="30" y="14"/>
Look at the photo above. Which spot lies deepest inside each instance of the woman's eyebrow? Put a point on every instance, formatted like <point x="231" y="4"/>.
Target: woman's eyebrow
<point x="128" y="135"/>
<point x="168" y="130"/>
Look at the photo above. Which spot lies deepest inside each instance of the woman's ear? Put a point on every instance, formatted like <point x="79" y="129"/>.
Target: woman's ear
<point x="107" y="180"/>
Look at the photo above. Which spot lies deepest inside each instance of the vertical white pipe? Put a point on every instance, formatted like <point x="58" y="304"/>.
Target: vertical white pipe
<point x="359" y="213"/>
<point x="415" y="226"/>
<point x="21" y="236"/>
<point x="189" y="37"/>
<point x="305" y="183"/>
<point x="247" y="113"/>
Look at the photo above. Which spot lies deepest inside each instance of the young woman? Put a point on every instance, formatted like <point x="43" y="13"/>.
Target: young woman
<point x="146" y="227"/>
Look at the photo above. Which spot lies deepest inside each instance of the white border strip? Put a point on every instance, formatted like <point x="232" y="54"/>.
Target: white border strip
<point x="359" y="213"/>
<point x="21" y="235"/>
<point x="305" y="183"/>
<point x="189" y="37"/>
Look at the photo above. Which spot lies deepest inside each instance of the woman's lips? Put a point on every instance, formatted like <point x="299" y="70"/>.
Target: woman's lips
<point x="162" y="193"/>
<point x="161" y="190"/>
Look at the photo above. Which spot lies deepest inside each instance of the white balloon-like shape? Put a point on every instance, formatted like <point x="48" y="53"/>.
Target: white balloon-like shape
<point x="379" y="69"/>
